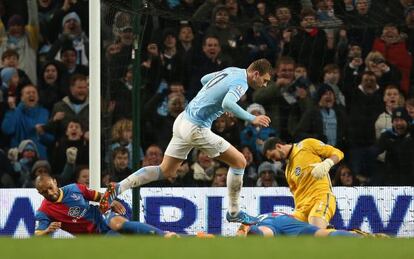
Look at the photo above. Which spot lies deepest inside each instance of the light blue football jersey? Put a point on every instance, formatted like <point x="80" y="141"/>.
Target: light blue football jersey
<point x="207" y="104"/>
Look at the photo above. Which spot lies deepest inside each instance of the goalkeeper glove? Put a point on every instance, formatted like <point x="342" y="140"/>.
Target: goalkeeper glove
<point x="321" y="169"/>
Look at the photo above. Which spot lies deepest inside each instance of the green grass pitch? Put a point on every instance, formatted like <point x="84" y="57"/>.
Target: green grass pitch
<point x="94" y="247"/>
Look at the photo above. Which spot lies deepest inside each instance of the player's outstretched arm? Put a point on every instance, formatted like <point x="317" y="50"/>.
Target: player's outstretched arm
<point x="230" y="105"/>
<point x="50" y="229"/>
<point x="261" y="120"/>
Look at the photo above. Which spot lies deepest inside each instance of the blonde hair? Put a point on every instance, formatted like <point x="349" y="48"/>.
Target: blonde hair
<point x="372" y="56"/>
<point x="119" y="127"/>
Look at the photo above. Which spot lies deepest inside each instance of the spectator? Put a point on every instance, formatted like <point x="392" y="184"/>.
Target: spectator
<point x="39" y="167"/>
<point x="284" y="16"/>
<point x="118" y="169"/>
<point x="169" y="57"/>
<point x="159" y="102"/>
<point x="121" y="136"/>
<point x="23" y="38"/>
<point x="331" y="77"/>
<point x="353" y="65"/>
<point x="22" y="160"/>
<point x="228" y="35"/>
<point x="51" y="89"/>
<point x="186" y="53"/>
<point x="393" y="47"/>
<point x="73" y="106"/>
<point x="73" y="36"/>
<point x="153" y="156"/>
<point x="122" y="22"/>
<point x="326" y="121"/>
<point x="209" y="61"/>
<point x="364" y="105"/>
<point x="79" y="7"/>
<point x="320" y="50"/>
<point x="73" y="138"/>
<point x="219" y="177"/>
<point x="267" y="175"/>
<point x="344" y="177"/>
<point x="82" y="175"/>
<point x="120" y="58"/>
<point x="391" y="100"/>
<point x="67" y="176"/>
<point x="10" y="59"/>
<point x="399" y="145"/>
<point x="25" y="121"/>
<point x="70" y="67"/>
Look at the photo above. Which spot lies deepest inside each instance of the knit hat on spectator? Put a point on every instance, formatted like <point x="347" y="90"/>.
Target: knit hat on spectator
<point x="70" y="16"/>
<point x="256" y="107"/>
<point x="6" y="74"/>
<point x="266" y="166"/>
<point x="41" y="163"/>
<point x="323" y="88"/>
<point x="401" y="113"/>
<point x="15" y="20"/>
<point x="27" y="144"/>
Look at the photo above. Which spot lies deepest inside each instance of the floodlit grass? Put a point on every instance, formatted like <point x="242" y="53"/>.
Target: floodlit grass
<point x="95" y="247"/>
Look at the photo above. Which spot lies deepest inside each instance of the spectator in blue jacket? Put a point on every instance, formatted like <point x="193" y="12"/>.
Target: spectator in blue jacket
<point x="23" y="122"/>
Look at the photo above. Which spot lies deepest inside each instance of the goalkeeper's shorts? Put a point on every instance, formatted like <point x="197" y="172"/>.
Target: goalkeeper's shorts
<point x="323" y="206"/>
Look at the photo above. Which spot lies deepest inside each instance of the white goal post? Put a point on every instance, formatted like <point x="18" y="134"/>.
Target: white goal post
<point x="95" y="94"/>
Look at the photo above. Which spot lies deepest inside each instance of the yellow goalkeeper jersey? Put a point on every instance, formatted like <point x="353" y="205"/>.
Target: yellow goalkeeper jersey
<point x="304" y="187"/>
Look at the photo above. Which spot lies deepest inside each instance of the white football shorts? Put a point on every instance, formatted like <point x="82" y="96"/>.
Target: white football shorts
<point x="187" y="135"/>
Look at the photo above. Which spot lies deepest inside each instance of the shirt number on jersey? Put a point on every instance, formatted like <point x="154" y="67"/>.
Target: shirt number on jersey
<point x="215" y="80"/>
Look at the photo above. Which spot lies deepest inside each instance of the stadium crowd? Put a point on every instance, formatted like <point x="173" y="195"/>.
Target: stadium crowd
<point x="343" y="74"/>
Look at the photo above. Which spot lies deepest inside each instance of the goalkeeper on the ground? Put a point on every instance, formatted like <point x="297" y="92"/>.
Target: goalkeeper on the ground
<point x="307" y="173"/>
